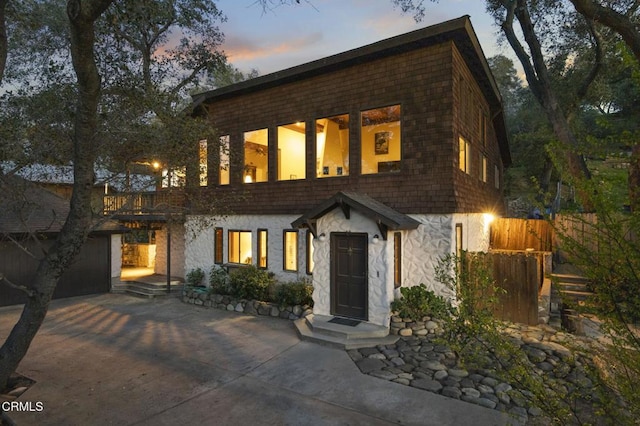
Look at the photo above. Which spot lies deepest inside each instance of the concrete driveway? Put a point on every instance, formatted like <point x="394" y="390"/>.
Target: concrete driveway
<point x="117" y="359"/>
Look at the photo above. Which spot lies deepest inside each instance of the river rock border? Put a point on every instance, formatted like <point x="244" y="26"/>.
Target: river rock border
<point x="419" y="359"/>
<point x="202" y="297"/>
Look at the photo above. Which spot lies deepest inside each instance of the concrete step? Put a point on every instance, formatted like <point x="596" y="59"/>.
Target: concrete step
<point x="317" y="328"/>
<point x="152" y="287"/>
<point x="569" y="278"/>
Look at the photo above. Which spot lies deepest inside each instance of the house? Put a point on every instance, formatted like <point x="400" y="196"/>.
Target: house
<point x="30" y="219"/>
<point x="358" y="171"/>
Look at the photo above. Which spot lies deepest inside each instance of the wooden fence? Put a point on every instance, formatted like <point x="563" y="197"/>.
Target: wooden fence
<point x="521" y="275"/>
<point x="540" y="235"/>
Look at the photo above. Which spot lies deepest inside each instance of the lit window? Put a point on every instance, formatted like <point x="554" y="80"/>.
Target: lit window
<point x="262" y="248"/>
<point x="290" y="250"/>
<point x="256" y="156"/>
<point x="218" y="246"/>
<point x="332" y="146"/>
<point x="380" y="138"/>
<point x="203" y="166"/>
<point x="310" y="262"/>
<point x="397" y="260"/>
<point x="291" y="151"/>
<point x="465" y="156"/>
<point x="240" y="247"/>
<point x="223" y="176"/>
<point x="459" y="240"/>
<point x="483" y="168"/>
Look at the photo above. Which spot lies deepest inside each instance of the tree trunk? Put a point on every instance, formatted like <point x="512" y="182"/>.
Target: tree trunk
<point x="82" y="15"/>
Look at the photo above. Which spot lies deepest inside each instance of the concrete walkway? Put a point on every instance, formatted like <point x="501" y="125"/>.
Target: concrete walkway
<point x="117" y="359"/>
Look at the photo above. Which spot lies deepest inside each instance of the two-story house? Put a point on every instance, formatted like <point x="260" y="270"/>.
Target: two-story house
<point x="359" y="170"/>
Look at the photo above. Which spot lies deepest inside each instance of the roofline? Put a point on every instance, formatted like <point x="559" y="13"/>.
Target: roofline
<point x="391" y="46"/>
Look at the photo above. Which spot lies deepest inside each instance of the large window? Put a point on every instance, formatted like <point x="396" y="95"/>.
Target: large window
<point x="483" y="168"/>
<point x="256" y="156"/>
<point x="240" y="247"/>
<point x="262" y="248"/>
<point x="332" y="146"/>
<point x="218" y="254"/>
<point x="290" y="249"/>
<point x="223" y="176"/>
<point x="291" y="151"/>
<point x="465" y="155"/>
<point x="380" y="138"/>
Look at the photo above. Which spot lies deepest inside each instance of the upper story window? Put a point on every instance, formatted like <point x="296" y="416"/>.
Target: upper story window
<point x="240" y="247"/>
<point x="380" y="139"/>
<point x="256" y="156"/>
<point x="483" y="168"/>
<point x="464" y="155"/>
<point x="291" y="151"/>
<point x="332" y="146"/>
<point x="203" y="162"/>
<point x="223" y="176"/>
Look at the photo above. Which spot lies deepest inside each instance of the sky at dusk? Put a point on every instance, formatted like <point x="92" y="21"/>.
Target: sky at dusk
<point x="293" y="35"/>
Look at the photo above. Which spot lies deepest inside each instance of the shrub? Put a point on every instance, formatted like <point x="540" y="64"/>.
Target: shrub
<point x="219" y="280"/>
<point x="291" y="294"/>
<point x="195" y="277"/>
<point x="249" y="282"/>
<point x="418" y="302"/>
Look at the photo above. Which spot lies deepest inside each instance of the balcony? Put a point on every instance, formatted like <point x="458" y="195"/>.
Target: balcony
<point x="138" y="204"/>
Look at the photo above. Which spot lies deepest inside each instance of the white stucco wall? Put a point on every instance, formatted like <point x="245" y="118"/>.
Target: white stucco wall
<point x="380" y="267"/>
<point x="422" y="249"/>
<point x="116" y="255"/>
<point x="177" y="251"/>
<point x="199" y="242"/>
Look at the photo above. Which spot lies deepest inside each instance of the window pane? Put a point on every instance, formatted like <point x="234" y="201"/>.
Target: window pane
<point x="203" y="162"/>
<point x="240" y="247"/>
<point x="262" y="248"/>
<point x="381" y="140"/>
<point x="462" y="158"/>
<point x="483" y="168"/>
<point x="332" y="146"/>
<point x="218" y="244"/>
<point x="291" y="151"/>
<point x="310" y="263"/>
<point x="256" y="156"/>
<point x="290" y="250"/>
<point x="224" y="161"/>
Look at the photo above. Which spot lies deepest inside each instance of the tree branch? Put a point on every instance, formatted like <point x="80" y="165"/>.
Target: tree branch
<point x="623" y="25"/>
<point x="26" y="290"/>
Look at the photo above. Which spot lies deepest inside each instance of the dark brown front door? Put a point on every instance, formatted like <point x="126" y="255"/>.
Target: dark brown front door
<point x="349" y="284"/>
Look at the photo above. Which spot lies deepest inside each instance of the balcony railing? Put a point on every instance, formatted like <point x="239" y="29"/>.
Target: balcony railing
<point x="143" y="203"/>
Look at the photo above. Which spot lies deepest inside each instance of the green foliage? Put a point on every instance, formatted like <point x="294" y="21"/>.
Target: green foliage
<point x="219" y="280"/>
<point x="195" y="277"/>
<point x="606" y="249"/>
<point x="291" y="294"/>
<point x="249" y="282"/>
<point x="418" y="302"/>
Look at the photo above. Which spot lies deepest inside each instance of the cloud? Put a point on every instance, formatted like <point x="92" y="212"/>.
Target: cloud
<point x="245" y="49"/>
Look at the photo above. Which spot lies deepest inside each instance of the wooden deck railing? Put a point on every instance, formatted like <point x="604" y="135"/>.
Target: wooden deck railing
<point x="143" y="203"/>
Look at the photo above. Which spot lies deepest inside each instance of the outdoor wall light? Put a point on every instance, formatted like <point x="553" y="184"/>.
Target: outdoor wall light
<point x="322" y="237"/>
<point x="376" y="239"/>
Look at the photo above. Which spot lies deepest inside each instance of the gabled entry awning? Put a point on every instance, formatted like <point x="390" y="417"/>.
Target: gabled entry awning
<point x="384" y="216"/>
